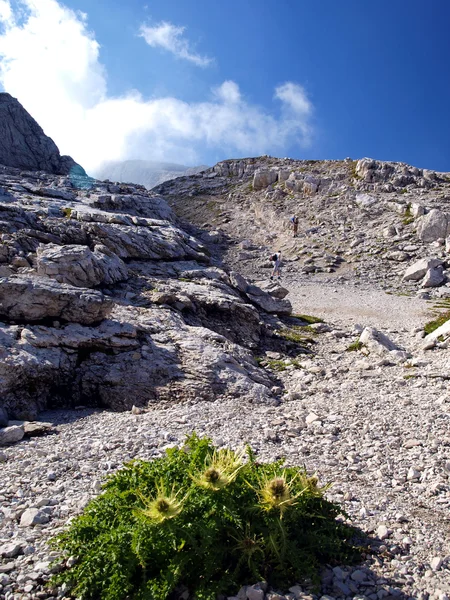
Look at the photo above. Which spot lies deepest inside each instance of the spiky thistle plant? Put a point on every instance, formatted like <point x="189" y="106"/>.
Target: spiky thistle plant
<point x="163" y="506"/>
<point x="220" y="469"/>
<point x="276" y="492"/>
<point x="202" y="518"/>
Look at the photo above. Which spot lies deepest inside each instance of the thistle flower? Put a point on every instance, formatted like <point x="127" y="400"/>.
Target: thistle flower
<point x="221" y="469"/>
<point x="165" y="505"/>
<point x="276" y="493"/>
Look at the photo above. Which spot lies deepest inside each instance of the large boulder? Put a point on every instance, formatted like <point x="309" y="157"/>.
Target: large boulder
<point x="433" y="226"/>
<point x="78" y="265"/>
<point x="418" y="270"/>
<point x="267" y="302"/>
<point x="263" y="178"/>
<point x="379" y="343"/>
<point x="23" y="143"/>
<point x="32" y="299"/>
<point x="434" y="277"/>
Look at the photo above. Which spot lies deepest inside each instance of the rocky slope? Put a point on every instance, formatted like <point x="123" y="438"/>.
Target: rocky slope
<point x="24" y="145"/>
<point x="145" y="172"/>
<point x="103" y="292"/>
<point x="360" y="220"/>
<point x="108" y="299"/>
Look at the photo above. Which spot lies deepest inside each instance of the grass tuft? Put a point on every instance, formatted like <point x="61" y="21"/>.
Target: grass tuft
<point x="355" y="346"/>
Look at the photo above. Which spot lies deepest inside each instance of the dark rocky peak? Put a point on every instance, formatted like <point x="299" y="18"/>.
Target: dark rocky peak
<point x="23" y="143"/>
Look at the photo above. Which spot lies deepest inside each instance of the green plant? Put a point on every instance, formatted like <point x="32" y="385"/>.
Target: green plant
<point x="440" y="317"/>
<point x="67" y="212"/>
<point x="435" y="323"/>
<point x="408" y="216"/>
<point x="354" y="346"/>
<point x="309" y="319"/>
<point x="203" y="518"/>
<point x="277" y="365"/>
<point x="295" y="335"/>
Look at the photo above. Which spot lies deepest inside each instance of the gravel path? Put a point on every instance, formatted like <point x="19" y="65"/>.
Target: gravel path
<point x="348" y="305"/>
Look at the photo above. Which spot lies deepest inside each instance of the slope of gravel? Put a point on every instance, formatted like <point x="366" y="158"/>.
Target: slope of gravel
<point x="349" y="304"/>
<point x="380" y="432"/>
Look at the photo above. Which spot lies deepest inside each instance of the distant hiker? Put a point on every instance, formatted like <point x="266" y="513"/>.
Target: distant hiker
<point x="294" y="223"/>
<point x="276" y="259"/>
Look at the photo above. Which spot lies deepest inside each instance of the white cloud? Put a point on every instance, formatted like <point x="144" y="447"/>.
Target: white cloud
<point x="171" y="38"/>
<point x="49" y="60"/>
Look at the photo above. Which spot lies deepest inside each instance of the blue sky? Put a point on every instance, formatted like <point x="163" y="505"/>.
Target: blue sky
<point x="321" y="79"/>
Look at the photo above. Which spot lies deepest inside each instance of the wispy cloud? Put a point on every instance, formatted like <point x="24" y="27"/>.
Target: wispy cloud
<point x="49" y="60"/>
<point x="171" y="38"/>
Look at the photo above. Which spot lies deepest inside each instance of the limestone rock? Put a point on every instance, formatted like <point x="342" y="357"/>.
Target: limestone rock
<point x="267" y="302"/>
<point x="38" y="298"/>
<point x="79" y="266"/>
<point x="33" y="516"/>
<point x="263" y="178"/>
<point x="419" y="269"/>
<point x="23" y="143"/>
<point x="433" y="277"/>
<point x="274" y="289"/>
<point x="376" y="341"/>
<point x="12" y="434"/>
<point x="433" y="226"/>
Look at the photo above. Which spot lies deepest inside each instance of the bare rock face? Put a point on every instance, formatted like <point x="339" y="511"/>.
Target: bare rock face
<point x="78" y="265"/>
<point x="23" y="143"/>
<point x="37" y="298"/>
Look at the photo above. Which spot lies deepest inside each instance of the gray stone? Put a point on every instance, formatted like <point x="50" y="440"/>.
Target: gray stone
<point x="10" y="550"/>
<point x="79" y="266"/>
<point x="434" y="277"/>
<point x="376" y="341"/>
<point x="433" y="226"/>
<point x="10" y="435"/>
<point x="38" y="298"/>
<point x="419" y="269"/>
<point x="263" y="178"/>
<point x="33" y="516"/>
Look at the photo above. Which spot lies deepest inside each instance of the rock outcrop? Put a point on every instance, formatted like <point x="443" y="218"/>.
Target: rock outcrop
<point x="24" y="145"/>
<point x="164" y="322"/>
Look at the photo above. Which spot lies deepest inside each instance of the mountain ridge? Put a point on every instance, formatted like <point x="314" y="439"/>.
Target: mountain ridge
<point x="144" y="172"/>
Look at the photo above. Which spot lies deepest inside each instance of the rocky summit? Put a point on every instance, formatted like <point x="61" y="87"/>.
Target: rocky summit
<point x="130" y="318"/>
<point x="24" y="145"/>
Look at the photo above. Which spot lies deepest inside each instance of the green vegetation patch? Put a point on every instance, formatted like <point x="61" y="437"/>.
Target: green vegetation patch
<point x="67" y="212"/>
<point x="408" y="216"/>
<point x="309" y="319"/>
<point x="435" y="323"/>
<point x="440" y="317"/>
<point x="208" y="519"/>
<point x="355" y="346"/>
<point x="296" y="335"/>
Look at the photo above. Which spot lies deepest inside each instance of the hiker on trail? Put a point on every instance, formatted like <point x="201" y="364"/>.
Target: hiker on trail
<point x="276" y="258"/>
<point x="294" y="222"/>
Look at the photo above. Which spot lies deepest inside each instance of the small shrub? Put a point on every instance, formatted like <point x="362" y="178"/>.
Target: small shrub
<point x="202" y="518"/>
<point x="355" y="346"/>
<point x="67" y="212"/>
<point x="408" y="216"/>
